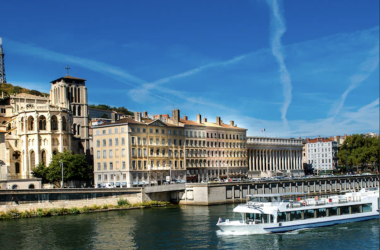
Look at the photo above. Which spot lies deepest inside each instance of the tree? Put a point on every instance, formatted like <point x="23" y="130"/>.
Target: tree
<point x="360" y="151"/>
<point x="75" y="167"/>
<point x="104" y="116"/>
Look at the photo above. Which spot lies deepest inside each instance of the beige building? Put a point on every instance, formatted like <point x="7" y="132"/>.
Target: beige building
<point x="214" y="150"/>
<point x="138" y="151"/>
<point x="269" y="156"/>
<point x="37" y="127"/>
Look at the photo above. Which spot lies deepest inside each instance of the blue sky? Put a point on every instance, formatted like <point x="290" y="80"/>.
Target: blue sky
<point x="295" y="68"/>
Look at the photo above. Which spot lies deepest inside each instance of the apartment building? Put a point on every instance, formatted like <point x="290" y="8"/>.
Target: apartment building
<point x="138" y="151"/>
<point x="322" y="153"/>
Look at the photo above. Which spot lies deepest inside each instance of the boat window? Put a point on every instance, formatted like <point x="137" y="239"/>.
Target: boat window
<point x="367" y="207"/>
<point x="344" y="210"/>
<point x="332" y="211"/>
<point x="322" y="212"/>
<point x="355" y="209"/>
<point x="296" y="215"/>
<point x="309" y="214"/>
<point x="281" y="216"/>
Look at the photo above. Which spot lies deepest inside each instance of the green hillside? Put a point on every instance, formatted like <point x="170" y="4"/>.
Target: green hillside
<point x="10" y="89"/>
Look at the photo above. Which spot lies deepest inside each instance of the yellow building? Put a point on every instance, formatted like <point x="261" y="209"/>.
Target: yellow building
<point x="138" y="151"/>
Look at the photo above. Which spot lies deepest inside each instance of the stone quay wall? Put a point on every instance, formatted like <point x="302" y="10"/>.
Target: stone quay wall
<point x="235" y="192"/>
<point x="67" y="198"/>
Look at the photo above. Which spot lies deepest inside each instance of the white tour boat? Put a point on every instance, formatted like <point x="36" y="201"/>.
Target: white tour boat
<point x="275" y="213"/>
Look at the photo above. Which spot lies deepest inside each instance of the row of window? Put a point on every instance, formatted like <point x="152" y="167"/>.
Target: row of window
<point x="110" y="142"/>
<point x="214" y="135"/>
<point x="104" y="131"/>
<point x="319" y="144"/>
<point x="111" y="177"/>
<point x="110" y="153"/>
<point x="319" y="161"/>
<point x="319" y="150"/>
<point x="192" y="143"/>
<point x="195" y="163"/>
<point x="323" y="212"/>
<point x="156" y="152"/>
<point x="109" y="165"/>
<point x="156" y="131"/>
<point x="318" y="155"/>
<point x="142" y="165"/>
<point x="208" y="153"/>
<point x="139" y="141"/>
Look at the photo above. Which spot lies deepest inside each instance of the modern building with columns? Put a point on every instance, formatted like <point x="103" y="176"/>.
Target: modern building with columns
<point x="270" y="156"/>
<point x="38" y="126"/>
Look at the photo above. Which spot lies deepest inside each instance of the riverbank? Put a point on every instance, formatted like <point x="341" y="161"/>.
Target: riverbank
<point x="123" y="204"/>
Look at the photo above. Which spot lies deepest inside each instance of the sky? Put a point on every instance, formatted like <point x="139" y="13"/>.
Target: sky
<point x="294" y="68"/>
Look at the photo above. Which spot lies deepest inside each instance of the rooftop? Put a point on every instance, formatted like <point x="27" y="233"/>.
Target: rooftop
<point x="67" y="77"/>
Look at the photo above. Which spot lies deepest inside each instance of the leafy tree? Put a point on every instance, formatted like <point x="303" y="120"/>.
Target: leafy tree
<point x="104" y="116"/>
<point x="360" y="151"/>
<point x="75" y="167"/>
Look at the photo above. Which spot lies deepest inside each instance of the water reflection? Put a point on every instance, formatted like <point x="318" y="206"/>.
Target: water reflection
<point x="172" y="228"/>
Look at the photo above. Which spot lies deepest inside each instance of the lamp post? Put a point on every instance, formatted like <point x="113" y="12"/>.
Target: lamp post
<point x="62" y="173"/>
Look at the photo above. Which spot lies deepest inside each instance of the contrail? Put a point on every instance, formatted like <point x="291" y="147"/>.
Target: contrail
<point x="278" y="28"/>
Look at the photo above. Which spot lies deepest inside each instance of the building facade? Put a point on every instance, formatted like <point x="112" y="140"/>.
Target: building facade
<point x="214" y="150"/>
<point x="138" y="151"/>
<point x="269" y="156"/>
<point x="322" y="154"/>
<point x="37" y="127"/>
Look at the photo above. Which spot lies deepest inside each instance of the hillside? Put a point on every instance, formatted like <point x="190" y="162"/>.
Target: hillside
<point x="10" y="89"/>
<point x="123" y="110"/>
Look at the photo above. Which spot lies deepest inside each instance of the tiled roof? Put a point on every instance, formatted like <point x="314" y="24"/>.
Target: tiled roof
<point x="209" y="124"/>
<point x="319" y="140"/>
<point x="129" y="120"/>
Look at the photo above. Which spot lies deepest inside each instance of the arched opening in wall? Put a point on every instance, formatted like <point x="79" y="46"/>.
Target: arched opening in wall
<point x="78" y="129"/>
<point x="74" y="129"/>
<point x="14" y="186"/>
<point x="55" y="152"/>
<point x="67" y="93"/>
<point x="31" y="186"/>
<point x="78" y="94"/>
<point x="54" y="123"/>
<point x="79" y="111"/>
<point x="17" y="168"/>
<point x="32" y="160"/>
<point x="74" y="110"/>
<point x="30" y="123"/>
<point x="43" y="157"/>
<point x="42" y="123"/>
<point x="63" y="123"/>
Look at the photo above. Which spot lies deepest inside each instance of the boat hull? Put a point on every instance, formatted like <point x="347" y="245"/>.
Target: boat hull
<point x="243" y="228"/>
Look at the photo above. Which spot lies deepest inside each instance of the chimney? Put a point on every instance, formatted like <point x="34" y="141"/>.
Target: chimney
<point x="205" y="119"/>
<point x="145" y="114"/>
<point x="113" y="117"/>
<point x="185" y="118"/>
<point x="299" y="138"/>
<point x="218" y="120"/>
<point x="138" y="116"/>
<point x="232" y="123"/>
<point x="345" y="136"/>
<point x="176" y="116"/>
<point x="199" y="118"/>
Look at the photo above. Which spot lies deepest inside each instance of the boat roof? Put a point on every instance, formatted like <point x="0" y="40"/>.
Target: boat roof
<point x="275" y="195"/>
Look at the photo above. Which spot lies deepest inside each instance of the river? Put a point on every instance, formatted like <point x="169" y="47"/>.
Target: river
<point x="172" y="228"/>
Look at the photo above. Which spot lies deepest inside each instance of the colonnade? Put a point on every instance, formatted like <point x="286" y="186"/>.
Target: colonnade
<point x="274" y="159"/>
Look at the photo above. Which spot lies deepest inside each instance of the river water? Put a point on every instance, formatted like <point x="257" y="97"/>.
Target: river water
<point x="172" y="228"/>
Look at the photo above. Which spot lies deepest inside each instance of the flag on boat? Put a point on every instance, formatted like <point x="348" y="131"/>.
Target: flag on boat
<point x="263" y="130"/>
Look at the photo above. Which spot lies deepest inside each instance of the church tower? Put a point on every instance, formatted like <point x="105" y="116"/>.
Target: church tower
<point x="70" y="93"/>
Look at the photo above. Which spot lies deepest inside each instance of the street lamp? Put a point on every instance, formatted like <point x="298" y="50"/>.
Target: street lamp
<point x="62" y="173"/>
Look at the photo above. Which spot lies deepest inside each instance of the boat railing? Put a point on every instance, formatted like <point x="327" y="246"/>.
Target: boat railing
<point x="324" y="201"/>
<point x="251" y="204"/>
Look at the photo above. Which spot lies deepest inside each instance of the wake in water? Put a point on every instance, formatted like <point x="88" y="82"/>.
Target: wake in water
<point x="222" y="233"/>
<point x="297" y="231"/>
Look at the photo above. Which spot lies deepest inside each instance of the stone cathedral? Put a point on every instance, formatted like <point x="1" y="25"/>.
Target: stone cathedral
<point x="36" y="127"/>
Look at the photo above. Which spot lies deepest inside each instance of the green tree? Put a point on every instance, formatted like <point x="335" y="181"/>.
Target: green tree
<point x="359" y="151"/>
<point x="75" y="167"/>
<point x="104" y="116"/>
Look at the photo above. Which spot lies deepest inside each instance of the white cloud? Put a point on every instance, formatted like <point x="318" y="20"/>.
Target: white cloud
<point x="278" y="29"/>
